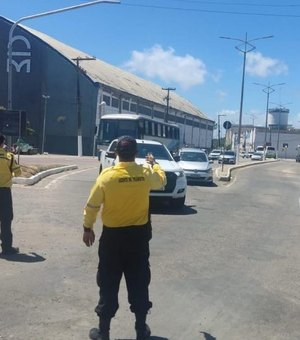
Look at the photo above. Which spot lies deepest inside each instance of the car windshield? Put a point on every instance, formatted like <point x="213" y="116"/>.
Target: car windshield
<point x="193" y="157"/>
<point x="216" y="151"/>
<point x="229" y="153"/>
<point x="158" y="151"/>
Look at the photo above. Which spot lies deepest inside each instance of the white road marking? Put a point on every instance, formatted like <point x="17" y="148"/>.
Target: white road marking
<point x="66" y="175"/>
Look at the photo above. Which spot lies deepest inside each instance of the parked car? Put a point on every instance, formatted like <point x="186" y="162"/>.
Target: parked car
<point x="227" y="157"/>
<point x="175" y="189"/>
<point x="214" y="154"/>
<point x="246" y="154"/>
<point x="196" y="165"/>
<point x="270" y="152"/>
<point x="257" y="156"/>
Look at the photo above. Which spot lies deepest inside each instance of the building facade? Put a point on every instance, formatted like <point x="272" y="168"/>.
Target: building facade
<point x="63" y="88"/>
<point x="286" y="141"/>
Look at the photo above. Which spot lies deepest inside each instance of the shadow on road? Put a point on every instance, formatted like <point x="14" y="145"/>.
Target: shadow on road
<point x="27" y="258"/>
<point x="151" y="338"/>
<point x="197" y="184"/>
<point x="165" y="209"/>
<point x="207" y="336"/>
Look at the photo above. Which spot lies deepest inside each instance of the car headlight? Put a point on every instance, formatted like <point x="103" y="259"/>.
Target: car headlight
<point x="179" y="173"/>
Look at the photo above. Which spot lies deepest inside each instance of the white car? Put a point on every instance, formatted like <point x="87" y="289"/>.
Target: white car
<point x="175" y="189"/>
<point x="257" y="156"/>
<point x="214" y="154"/>
<point x="227" y="157"/>
<point x="196" y="165"/>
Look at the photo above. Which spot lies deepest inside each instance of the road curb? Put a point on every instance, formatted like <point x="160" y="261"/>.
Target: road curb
<point x="227" y="177"/>
<point x="36" y="178"/>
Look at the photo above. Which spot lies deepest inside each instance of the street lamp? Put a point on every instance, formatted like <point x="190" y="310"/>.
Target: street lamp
<point x="252" y="139"/>
<point x="219" y="137"/>
<point x="11" y="31"/>
<point x="267" y="89"/>
<point x="244" y="47"/>
<point x="100" y="112"/>
<point x="44" y="120"/>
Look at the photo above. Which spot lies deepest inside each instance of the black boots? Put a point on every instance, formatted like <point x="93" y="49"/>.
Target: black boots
<point x="142" y="329"/>
<point x="10" y="251"/>
<point x="101" y="333"/>
<point x="96" y="334"/>
<point x="142" y="333"/>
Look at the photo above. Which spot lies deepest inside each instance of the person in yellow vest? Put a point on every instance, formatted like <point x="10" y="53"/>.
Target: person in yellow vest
<point x="123" y="192"/>
<point x="8" y="169"/>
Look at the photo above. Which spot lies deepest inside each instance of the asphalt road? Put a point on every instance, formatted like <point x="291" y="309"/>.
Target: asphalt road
<point x="226" y="267"/>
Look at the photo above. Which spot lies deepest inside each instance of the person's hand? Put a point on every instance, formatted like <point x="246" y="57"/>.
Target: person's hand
<point x="88" y="237"/>
<point x="150" y="159"/>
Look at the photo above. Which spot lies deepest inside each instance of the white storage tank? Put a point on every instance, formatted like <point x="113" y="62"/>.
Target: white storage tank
<point x="278" y="117"/>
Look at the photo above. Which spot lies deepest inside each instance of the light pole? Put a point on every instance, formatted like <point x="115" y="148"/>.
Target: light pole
<point x="44" y="120"/>
<point x="219" y="131"/>
<point x="252" y="139"/>
<point x="244" y="47"/>
<point x="267" y="89"/>
<point x="11" y="31"/>
<point x="168" y="89"/>
<point x="100" y="112"/>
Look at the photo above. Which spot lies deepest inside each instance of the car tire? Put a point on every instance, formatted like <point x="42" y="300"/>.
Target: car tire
<point x="178" y="203"/>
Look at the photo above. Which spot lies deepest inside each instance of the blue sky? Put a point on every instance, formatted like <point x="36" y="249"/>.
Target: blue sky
<point x="176" y="43"/>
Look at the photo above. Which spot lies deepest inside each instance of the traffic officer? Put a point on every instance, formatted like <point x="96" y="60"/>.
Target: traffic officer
<point x="123" y="191"/>
<point x="8" y="169"/>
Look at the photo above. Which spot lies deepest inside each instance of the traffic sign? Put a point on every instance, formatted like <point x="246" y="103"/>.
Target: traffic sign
<point x="227" y="125"/>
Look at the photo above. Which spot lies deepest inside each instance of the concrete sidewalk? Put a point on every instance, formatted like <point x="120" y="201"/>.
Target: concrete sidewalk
<point x="225" y="175"/>
<point x="63" y="162"/>
<point x="36" y="178"/>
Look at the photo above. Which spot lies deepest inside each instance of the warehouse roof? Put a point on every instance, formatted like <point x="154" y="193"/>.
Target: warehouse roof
<point x="106" y="74"/>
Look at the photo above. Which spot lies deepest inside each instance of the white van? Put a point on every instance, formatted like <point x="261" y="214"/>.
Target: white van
<point x="175" y="189"/>
<point x="270" y="152"/>
<point x="260" y="149"/>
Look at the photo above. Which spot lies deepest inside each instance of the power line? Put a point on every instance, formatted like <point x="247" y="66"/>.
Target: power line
<point x="195" y="10"/>
<point x="235" y="3"/>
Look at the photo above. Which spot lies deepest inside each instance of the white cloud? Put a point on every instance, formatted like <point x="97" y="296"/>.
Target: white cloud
<point x="258" y="65"/>
<point x="221" y="94"/>
<point x="155" y="62"/>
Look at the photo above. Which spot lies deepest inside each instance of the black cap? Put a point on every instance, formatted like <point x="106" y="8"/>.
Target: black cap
<point x="126" y="146"/>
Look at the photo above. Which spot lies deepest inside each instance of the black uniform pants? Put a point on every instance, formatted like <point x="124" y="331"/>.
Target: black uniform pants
<point x="124" y="250"/>
<point x="6" y="216"/>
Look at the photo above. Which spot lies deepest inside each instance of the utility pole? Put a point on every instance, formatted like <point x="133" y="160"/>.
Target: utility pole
<point x="78" y="103"/>
<point x="168" y="100"/>
<point x="245" y="47"/>
<point x="219" y="131"/>
<point x="268" y="89"/>
<point x="46" y="97"/>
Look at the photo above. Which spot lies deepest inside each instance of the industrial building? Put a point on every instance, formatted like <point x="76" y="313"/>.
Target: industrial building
<point x="277" y="133"/>
<point x="62" y="90"/>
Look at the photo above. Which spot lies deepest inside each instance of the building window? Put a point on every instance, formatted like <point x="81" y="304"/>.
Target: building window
<point x="115" y="102"/>
<point x="125" y="105"/>
<point x="133" y="107"/>
<point x="144" y="110"/>
<point x="106" y="99"/>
